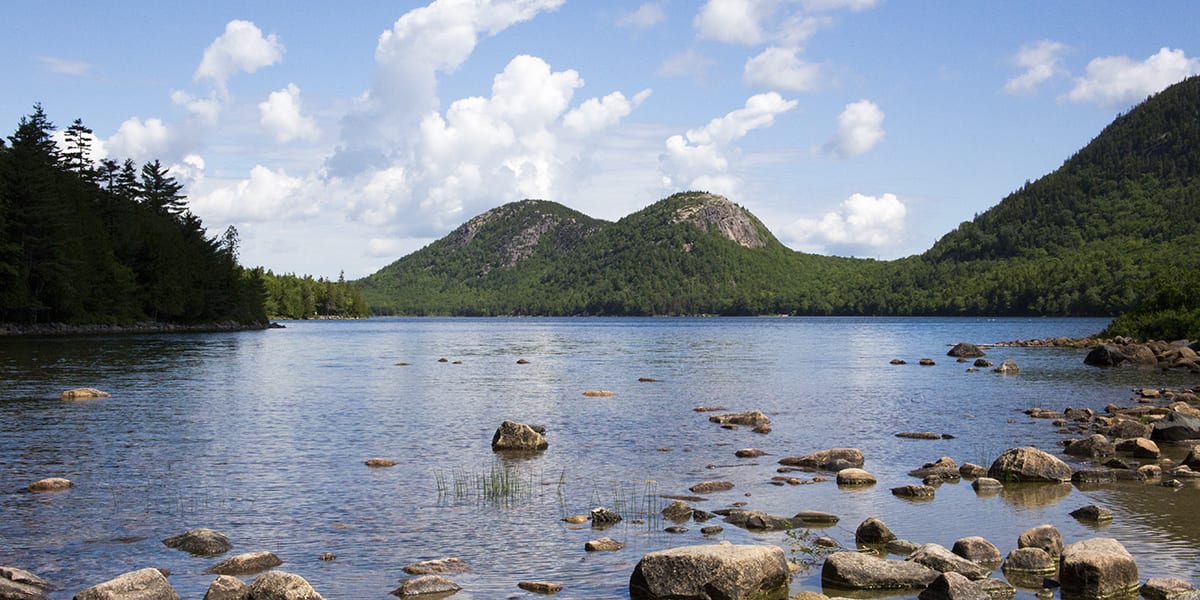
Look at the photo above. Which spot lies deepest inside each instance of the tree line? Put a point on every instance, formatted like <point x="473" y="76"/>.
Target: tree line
<point x="113" y="242"/>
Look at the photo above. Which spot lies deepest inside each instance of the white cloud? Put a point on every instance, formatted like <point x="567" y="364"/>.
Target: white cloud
<point x="688" y="63"/>
<point x="648" y="14"/>
<point x="782" y="68"/>
<point x="1041" y="61"/>
<point x="862" y="223"/>
<point x="140" y="140"/>
<point x="280" y="115"/>
<point x="1118" y="81"/>
<point x="734" y="21"/>
<point x="266" y="195"/>
<point x="241" y="48"/>
<point x="189" y="172"/>
<point x="860" y="129"/>
<point x="598" y="113"/>
<point x="65" y="66"/>
<point x="206" y="111"/>
<point x="699" y="159"/>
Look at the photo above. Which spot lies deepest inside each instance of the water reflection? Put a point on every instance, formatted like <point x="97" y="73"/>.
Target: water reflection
<point x="1030" y="495"/>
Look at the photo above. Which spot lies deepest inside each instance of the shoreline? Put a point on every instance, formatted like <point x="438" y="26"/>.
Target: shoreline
<point x="65" y="329"/>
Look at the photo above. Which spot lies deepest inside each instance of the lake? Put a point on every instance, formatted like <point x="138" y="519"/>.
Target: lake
<point x="262" y="435"/>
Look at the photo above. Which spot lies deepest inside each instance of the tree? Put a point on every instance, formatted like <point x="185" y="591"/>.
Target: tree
<point x="78" y="154"/>
<point x="160" y="191"/>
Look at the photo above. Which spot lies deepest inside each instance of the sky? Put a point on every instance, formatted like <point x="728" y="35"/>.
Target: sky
<point x="339" y="137"/>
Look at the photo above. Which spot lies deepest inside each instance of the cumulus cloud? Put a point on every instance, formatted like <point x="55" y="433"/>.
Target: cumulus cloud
<point x="734" y="21"/>
<point x="1117" y="81"/>
<point x="241" y="47"/>
<point x="860" y="129"/>
<point x="699" y="159"/>
<point x="280" y="115"/>
<point x="782" y="68"/>
<point x="861" y="224"/>
<point x="648" y="14"/>
<point x="140" y="140"/>
<point x="205" y="111"/>
<point x="1041" y="61"/>
<point x="265" y="195"/>
<point x="598" y="113"/>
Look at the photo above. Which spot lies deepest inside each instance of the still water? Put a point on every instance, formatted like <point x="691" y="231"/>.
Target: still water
<point x="262" y="436"/>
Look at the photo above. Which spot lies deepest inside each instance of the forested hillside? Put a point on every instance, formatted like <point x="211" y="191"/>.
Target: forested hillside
<point x="115" y="243"/>
<point x="1091" y="238"/>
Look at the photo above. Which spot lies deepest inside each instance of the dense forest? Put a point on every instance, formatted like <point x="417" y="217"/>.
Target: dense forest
<point x="112" y="242"/>
<point x="1093" y="238"/>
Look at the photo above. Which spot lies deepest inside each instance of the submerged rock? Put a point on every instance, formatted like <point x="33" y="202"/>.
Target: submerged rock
<point x="201" y="541"/>
<point x="540" y="587"/>
<point x="750" y="418"/>
<point x="426" y="584"/>
<point x="833" y="459"/>
<point x="726" y="571"/>
<point x="604" y="544"/>
<point x="379" y="463"/>
<point x="279" y="585"/>
<point x="84" y="394"/>
<point x="678" y="511"/>
<point x="1092" y="514"/>
<point x="145" y="584"/>
<point x="245" y="564"/>
<point x="756" y="520"/>
<point x="708" y="487"/>
<point x="854" y="477"/>
<point x="438" y="566"/>
<point x="51" y="484"/>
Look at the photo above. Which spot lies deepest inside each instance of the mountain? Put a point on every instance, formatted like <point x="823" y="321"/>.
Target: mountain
<point x="1087" y="239"/>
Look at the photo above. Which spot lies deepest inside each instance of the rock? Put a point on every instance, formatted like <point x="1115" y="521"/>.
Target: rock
<point x="1094" y="446"/>
<point x="146" y="584"/>
<point x="901" y="547"/>
<point x="729" y="572"/>
<point x="22" y="576"/>
<point x="919" y="435"/>
<point x="943" y="469"/>
<point x="1106" y="355"/>
<point x="756" y="520"/>
<point x="814" y="517"/>
<point x="1029" y="561"/>
<point x="576" y="519"/>
<point x="599" y="393"/>
<point x="1175" y="427"/>
<point x="1165" y="588"/>
<point x="1129" y="428"/>
<point x="709" y="487"/>
<point x="51" y="484"/>
<point x="604" y="544"/>
<point x="602" y="517"/>
<point x="379" y="463"/>
<point x="1093" y="514"/>
<point x="1139" y="447"/>
<point x="965" y="350"/>
<point x="678" y="511"/>
<point x="1150" y="471"/>
<point x="940" y="559"/>
<point x="647" y="380"/>
<point x="522" y="361"/>
<point x="1106" y="475"/>
<point x="279" y="585"/>
<point x="426" y="584"/>
<point x="19" y="590"/>
<point x="517" y="437"/>
<point x="540" y="587"/>
<point x="1029" y="464"/>
<point x="245" y="564"/>
<point x="861" y="571"/>
<point x="808" y="596"/>
<point x="982" y="363"/>
<point x="1046" y="537"/>
<point x="701" y="516"/>
<point x="202" y="542"/>
<point x="749" y="453"/>
<point x="833" y="459"/>
<point x="872" y="532"/>
<point x="997" y="589"/>
<point x="922" y="492"/>
<point x="926" y="362"/>
<point x="750" y="418"/>
<point x="711" y="529"/>
<point x="986" y="484"/>
<point x="855" y="477"/>
<point x="1097" y="568"/>
<point x="438" y="566"/>
<point x="898" y="361"/>
<point x="1008" y="367"/>
<point x="327" y="557"/>
<point x="979" y="551"/>
<point x="1192" y="460"/>
<point x="952" y="586"/>
<point x="972" y="471"/>
<point x="226" y="587"/>
<point x="84" y="394"/>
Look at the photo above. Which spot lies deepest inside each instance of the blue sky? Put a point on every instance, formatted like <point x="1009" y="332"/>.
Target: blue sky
<point x="342" y="137"/>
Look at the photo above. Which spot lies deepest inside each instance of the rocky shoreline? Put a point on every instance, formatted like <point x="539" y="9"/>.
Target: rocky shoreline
<point x="65" y="329"/>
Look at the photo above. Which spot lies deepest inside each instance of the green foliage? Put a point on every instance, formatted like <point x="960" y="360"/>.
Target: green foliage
<point x="1171" y="312"/>
<point x="294" y="297"/>
<point x="85" y="245"/>
<point x="1086" y="240"/>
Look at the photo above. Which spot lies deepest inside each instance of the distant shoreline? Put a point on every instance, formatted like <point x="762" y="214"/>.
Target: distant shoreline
<point x="64" y="329"/>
